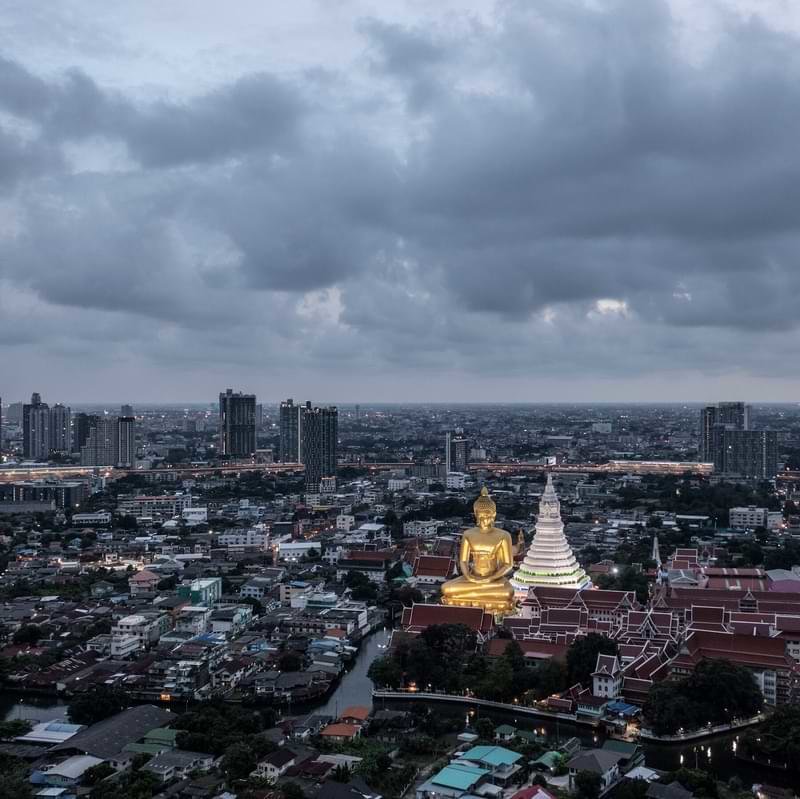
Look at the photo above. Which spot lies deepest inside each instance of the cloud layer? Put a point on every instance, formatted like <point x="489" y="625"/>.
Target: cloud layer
<point x="577" y="200"/>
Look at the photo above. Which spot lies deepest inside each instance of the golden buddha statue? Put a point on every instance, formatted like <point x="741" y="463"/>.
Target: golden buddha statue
<point x="484" y="560"/>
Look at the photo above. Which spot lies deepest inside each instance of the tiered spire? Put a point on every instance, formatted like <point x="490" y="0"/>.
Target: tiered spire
<point x="550" y="560"/>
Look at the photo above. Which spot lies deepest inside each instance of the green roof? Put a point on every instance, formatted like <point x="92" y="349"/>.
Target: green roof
<point x="146" y="749"/>
<point x="162" y="735"/>
<point x="505" y="729"/>
<point x="623" y="747"/>
<point x="548" y="759"/>
<point x="459" y="776"/>
<point x="493" y="755"/>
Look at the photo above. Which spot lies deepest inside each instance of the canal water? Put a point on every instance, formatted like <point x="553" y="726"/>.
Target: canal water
<point x="716" y="755"/>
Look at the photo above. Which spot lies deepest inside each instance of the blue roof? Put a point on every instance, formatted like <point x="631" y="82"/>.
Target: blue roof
<point x="459" y="775"/>
<point x="493" y="755"/>
<point x="623" y="708"/>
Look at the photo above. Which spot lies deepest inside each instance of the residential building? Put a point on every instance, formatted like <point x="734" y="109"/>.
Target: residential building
<point x="320" y="442"/>
<point x="237" y="424"/>
<point x="750" y="517"/>
<point x="291" y="432"/>
<point x="206" y="591"/>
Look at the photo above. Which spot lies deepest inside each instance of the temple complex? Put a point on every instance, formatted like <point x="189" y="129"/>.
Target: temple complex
<point x="550" y="560"/>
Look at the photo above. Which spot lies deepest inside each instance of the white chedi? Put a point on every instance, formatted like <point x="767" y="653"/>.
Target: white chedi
<point x="549" y="560"/>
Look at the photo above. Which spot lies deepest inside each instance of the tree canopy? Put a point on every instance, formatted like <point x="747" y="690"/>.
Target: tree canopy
<point x="716" y="692"/>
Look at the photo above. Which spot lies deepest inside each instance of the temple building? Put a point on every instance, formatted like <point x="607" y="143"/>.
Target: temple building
<point x="550" y="560"/>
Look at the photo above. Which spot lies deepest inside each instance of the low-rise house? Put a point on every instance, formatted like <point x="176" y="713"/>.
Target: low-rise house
<point x="65" y="774"/>
<point x="598" y="761"/>
<point x="177" y="764"/>
<point x="276" y="764"/>
<point x="341" y="733"/>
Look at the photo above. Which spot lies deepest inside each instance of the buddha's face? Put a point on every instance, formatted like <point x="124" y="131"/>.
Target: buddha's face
<point x="485" y="519"/>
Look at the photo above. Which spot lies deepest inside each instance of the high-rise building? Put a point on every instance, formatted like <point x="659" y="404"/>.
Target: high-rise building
<point x="111" y="441"/>
<point x="549" y="560"/>
<point x="456" y="454"/>
<point x="727" y="441"/>
<point x="320" y="436"/>
<point x="237" y="424"/>
<point x="126" y="410"/>
<point x="291" y="432"/>
<point x="732" y="415"/>
<point x="34" y="436"/>
<point x="81" y="424"/>
<point x="752" y="454"/>
<point x="126" y="441"/>
<point x="60" y="429"/>
<point x="101" y="444"/>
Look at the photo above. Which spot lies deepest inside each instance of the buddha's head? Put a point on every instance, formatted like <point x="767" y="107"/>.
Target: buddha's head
<point x="485" y="510"/>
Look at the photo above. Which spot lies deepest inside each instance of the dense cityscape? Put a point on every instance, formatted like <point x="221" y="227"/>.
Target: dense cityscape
<point x="397" y="399"/>
<point x="241" y="598"/>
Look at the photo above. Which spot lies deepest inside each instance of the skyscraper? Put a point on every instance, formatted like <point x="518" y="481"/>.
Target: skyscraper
<point x="100" y="449"/>
<point x="752" y="454"/>
<point x="320" y="434"/>
<point x="81" y="424"/>
<point x="727" y="441"/>
<point x="111" y="441"/>
<point x="60" y="432"/>
<point x="732" y="415"/>
<point x="126" y="410"/>
<point x="126" y="441"/>
<point x="237" y="424"/>
<point x="33" y="421"/>
<point x="456" y="448"/>
<point x="291" y="432"/>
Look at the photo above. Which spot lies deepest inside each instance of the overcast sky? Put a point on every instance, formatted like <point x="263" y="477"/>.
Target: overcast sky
<point x="400" y="200"/>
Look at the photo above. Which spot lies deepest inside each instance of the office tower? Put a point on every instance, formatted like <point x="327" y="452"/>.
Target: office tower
<point x="60" y="429"/>
<point x="730" y="415"/>
<point x="259" y="416"/>
<point x="320" y="437"/>
<point x="126" y="441"/>
<point x="237" y="424"/>
<point x="33" y="436"/>
<point x="126" y="410"/>
<point x="751" y="454"/>
<point x="456" y="455"/>
<point x="81" y="424"/>
<point x="291" y="432"/>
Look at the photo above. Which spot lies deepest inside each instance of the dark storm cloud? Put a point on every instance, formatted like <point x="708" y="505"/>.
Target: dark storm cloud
<point x="255" y="112"/>
<point x="554" y="187"/>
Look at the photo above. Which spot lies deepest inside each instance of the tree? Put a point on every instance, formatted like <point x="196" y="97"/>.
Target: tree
<point x="27" y="634"/>
<point x="582" y="656"/>
<point x="96" y="705"/>
<point x="341" y="773"/>
<point x="385" y="672"/>
<point x="715" y="693"/>
<point x="291" y="790"/>
<point x="588" y="784"/>
<point x="238" y="761"/>
<point x="14" y="784"/>
<point x="214" y="726"/>
<point x="14" y="728"/>
<point x="97" y="773"/>
<point x="485" y="728"/>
